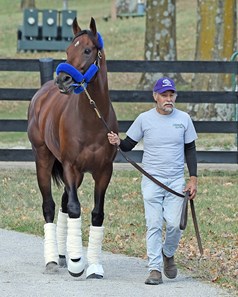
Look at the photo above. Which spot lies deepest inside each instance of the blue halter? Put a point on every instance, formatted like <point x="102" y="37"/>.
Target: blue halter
<point x="81" y="80"/>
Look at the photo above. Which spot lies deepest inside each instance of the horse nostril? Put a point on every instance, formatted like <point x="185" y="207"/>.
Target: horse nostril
<point x="66" y="78"/>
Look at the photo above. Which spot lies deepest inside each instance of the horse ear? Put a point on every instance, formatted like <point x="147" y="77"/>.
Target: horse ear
<point x="75" y="26"/>
<point x="93" y="26"/>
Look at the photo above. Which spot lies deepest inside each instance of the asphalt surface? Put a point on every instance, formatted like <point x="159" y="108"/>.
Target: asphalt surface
<point x="22" y="274"/>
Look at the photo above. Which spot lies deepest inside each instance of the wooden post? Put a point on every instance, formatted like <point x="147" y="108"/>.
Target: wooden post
<point x="46" y="70"/>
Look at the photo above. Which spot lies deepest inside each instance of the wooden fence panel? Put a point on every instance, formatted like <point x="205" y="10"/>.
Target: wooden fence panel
<point x="201" y="127"/>
<point x="225" y="97"/>
<point x="135" y="96"/>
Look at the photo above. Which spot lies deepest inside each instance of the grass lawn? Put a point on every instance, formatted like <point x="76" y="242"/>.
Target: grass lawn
<point x="216" y="208"/>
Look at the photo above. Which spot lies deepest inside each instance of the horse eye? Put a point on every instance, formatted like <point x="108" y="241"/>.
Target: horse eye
<point x="87" y="51"/>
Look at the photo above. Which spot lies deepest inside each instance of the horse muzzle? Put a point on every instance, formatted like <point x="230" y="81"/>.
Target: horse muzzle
<point x="70" y="78"/>
<point x="64" y="83"/>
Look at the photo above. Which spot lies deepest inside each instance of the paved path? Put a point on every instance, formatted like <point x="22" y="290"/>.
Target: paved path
<point x="22" y="267"/>
<point x="124" y="166"/>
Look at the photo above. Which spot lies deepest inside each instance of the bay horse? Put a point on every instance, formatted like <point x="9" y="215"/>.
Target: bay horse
<point x="69" y="139"/>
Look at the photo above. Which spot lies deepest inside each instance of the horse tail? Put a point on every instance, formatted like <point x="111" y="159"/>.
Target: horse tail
<point x="57" y="173"/>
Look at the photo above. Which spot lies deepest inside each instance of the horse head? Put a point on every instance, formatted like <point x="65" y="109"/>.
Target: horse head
<point x="83" y="59"/>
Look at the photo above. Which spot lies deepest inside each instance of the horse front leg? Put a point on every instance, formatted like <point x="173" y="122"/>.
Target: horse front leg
<point x="96" y="232"/>
<point x="61" y="229"/>
<point x="76" y="261"/>
<point x="43" y="170"/>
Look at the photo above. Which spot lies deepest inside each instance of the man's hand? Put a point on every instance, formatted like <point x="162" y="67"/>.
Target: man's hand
<point x="191" y="186"/>
<point x="113" y="138"/>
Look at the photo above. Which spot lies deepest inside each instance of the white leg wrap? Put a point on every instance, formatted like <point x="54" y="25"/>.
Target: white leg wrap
<point x="75" y="247"/>
<point x="61" y="232"/>
<point x="50" y="243"/>
<point x="95" y="251"/>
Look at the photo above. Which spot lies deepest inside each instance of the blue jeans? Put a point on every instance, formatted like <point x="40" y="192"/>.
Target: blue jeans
<point x="162" y="206"/>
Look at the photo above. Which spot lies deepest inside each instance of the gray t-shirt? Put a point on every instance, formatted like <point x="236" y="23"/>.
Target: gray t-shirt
<point x="164" y="137"/>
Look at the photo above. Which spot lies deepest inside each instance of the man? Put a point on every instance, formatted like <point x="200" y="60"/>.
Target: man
<point x="169" y="138"/>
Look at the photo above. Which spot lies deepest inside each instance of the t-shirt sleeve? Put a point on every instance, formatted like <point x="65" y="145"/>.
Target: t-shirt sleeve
<point x="190" y="133"/>
<point x="135" y="131"/>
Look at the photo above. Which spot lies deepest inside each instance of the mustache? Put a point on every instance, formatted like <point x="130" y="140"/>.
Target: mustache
<point x="170" y="103"/>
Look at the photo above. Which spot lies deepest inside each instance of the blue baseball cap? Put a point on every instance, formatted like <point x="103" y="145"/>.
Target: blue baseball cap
<point x="164" y="84"/>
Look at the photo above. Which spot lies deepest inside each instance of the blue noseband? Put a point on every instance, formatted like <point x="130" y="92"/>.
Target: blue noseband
<point x="81" y="80"/>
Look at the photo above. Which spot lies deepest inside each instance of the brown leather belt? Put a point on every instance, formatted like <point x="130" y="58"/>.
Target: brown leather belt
<point x="184" y="218"/>
<point x="184" y="214"/>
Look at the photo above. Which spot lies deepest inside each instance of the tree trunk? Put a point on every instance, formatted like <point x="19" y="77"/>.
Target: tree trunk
<point x="113" y="10"/>
<point x="126" y="6"/>
<point x="216" y="41"/>
<point x="65" y="4"/>
<point x="27" y="4"/>
<point x="160" y="38"/>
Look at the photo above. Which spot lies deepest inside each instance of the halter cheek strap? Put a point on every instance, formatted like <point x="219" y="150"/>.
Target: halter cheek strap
<point x="100" y="42"/>
<point x="89" y="74"/>
<point x="81" y="80"/>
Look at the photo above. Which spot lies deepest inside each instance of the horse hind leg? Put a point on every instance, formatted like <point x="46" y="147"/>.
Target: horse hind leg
<point x="61" y="233"/>
<point x="61" y="230"/>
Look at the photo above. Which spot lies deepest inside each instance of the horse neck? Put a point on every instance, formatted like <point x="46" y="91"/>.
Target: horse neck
<point x="98" y="88"/>
<point x="102" y="74"/>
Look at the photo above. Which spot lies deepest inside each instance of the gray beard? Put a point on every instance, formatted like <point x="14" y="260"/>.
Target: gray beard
<point x="168" y="109"/>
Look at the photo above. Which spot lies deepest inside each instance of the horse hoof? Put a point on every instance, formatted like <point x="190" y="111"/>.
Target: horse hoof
<point x="95" y="271"/>
<point x="76" y="269"/>
<point x="76" y="274"/>
<point x="51" y="268"/>
<point x="95" y="276"/>
<point x="62" y="262"/>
